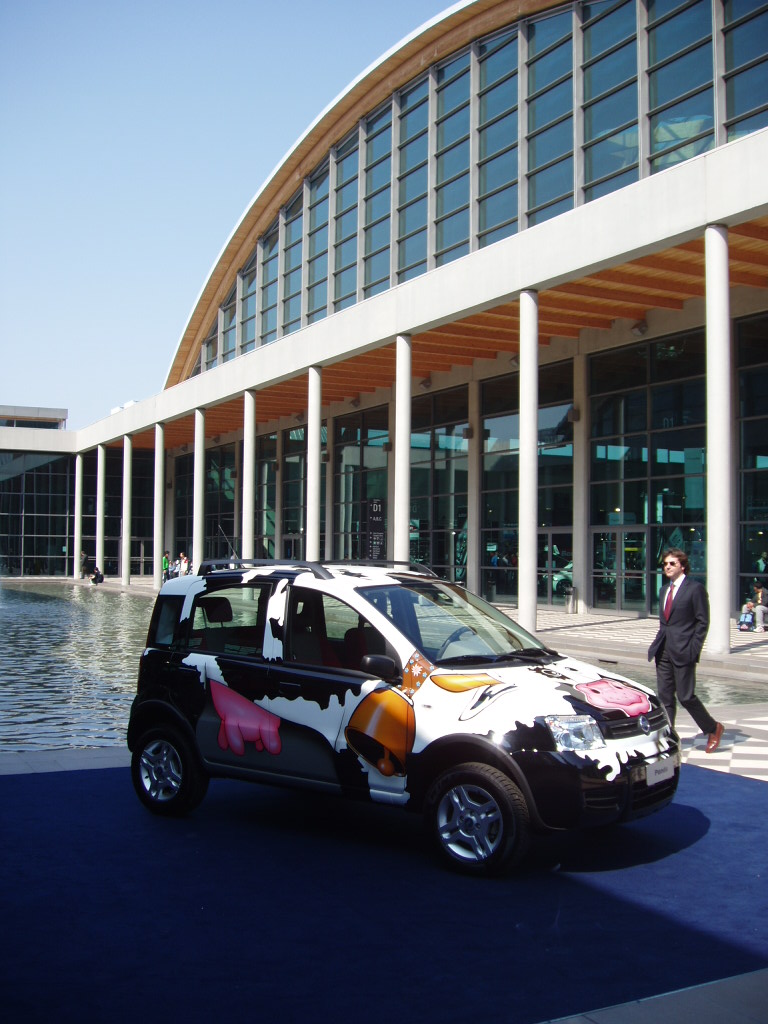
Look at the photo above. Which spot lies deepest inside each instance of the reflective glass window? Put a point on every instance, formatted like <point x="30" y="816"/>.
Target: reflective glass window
<point x="610" y="98"/>
<point x="549" y="116"/>
<point x="268" y="289"/>
<point x="345" y="228"/>
<point x="620" y="460"/>
<point x="211" y="345"/>
<point x="680" y="75"/>
<point x="550" y="144"/>
<point x="248" y="305"/>
<point x="292" y="257"/>
<point x="317" y="247"/>
<point x="452" y="163"/>
<point x="229" y="327"/>
<point x="745" y="94"/>
<point x="680" y="356"/>
<point x="377" y="201"/>
<point x="675" y="405"/>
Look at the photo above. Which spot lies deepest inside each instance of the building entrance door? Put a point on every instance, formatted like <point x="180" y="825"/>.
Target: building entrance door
<point x="620" y="569"/>
<point x="293" y="546"/>
<point x="554" y="575"/>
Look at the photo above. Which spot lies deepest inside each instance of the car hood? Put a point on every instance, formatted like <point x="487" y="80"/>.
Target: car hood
<point x="507" y="696"/>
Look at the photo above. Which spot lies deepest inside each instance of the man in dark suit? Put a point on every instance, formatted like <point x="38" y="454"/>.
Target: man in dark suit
<point x="683" y="627"/>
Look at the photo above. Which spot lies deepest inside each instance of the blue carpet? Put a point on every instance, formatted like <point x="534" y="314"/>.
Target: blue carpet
<point x="278" y="905"/>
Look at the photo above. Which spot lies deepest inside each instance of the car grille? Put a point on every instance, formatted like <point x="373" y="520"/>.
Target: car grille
<point x="645" y="798"/>
<point x="622" y="728"/>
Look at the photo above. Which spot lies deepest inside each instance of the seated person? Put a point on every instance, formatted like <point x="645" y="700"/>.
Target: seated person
<point x="96" y="576"/>
<point x="753" y="610"/>
<point x="747" y="617"/>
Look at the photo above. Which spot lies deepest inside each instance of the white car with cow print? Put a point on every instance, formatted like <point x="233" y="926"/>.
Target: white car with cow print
<point x="389" y="684"/>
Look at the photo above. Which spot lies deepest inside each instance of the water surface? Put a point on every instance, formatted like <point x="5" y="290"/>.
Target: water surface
<point x="70" y="654"/>
<point x="68" y="663"/>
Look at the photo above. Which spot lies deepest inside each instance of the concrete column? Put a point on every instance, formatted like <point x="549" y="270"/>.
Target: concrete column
<point x="248" y="474"/>
<point x="401" y="512"/>
<point x="198" y="500"/>
<point x="78" y="523"/>
<point x="314" y="424"/>
<point x="474" y="488"/>
<point x="237" y="501"/>
<point x="158" y="516"/>
<point x="278" y="496"/>
<point x="720" y="482"/>
<point x="529" y="455"/>
<point x="125" y="553"/>
<point x="328" y="469"/>
<point x="101" y="472"/>
<point x="582" y="556"/>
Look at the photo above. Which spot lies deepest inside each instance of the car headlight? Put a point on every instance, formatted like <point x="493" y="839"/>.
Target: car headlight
<point x="575" y="732"/>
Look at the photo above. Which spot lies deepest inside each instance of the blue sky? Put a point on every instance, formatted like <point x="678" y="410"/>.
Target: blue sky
<point x="134" y="134"/>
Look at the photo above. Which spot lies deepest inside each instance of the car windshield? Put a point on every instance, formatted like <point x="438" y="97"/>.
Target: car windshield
<point x="449" y="624"/>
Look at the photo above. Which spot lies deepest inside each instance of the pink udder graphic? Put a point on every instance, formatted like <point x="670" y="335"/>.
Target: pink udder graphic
<point x="243" y="722"/>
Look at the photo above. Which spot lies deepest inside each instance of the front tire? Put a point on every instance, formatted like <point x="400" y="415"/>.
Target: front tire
<point x="166" y="772"/>
<point x="478" y="819"/>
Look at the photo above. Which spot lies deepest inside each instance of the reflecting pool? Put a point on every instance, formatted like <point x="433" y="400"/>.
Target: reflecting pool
<point x="68" y="663"/>
<point x="70" y="655"/>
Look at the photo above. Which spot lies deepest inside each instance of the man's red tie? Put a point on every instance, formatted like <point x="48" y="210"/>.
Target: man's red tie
<point x="668" y="602"/>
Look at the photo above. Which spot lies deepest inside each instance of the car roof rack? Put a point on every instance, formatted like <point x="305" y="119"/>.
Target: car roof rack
<point x="318" y="569"/>
<point x="210" y="565"/>
<point x="382" y="563"/>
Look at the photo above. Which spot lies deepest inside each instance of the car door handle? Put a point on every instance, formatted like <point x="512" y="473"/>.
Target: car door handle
<point x="290" y="689"/>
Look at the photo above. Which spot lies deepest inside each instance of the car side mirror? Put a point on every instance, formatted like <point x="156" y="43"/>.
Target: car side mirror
<point x="380" y="665"/>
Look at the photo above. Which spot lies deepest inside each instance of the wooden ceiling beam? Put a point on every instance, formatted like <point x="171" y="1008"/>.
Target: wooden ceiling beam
<point x="604" y="292"/>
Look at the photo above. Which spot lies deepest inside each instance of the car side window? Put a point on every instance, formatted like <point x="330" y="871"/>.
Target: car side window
<point x="164" y="622"/>
<point x="230" y="620"/>
<point x="325" y="631"/>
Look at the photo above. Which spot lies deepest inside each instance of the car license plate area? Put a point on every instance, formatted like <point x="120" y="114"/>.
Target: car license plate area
<point x="660" y="771"/>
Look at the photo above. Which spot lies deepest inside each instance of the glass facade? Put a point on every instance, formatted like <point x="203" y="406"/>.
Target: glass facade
<point x="752" y="358"/>
<point x="439" y="467"/>
<point x="412" y="208"/>
<point x="37" y="505"/>
<point x="36" y="509"/>
<point x="647" y="465"/>
<point x="543" y="115"/>
<point x="266" y="496"/>
<point x="500" y="487"/>
<point x="360" y="445"/>
<point x="745" y="33"/>
<point x="552" y="112"/>
<point x="610" y="97"/>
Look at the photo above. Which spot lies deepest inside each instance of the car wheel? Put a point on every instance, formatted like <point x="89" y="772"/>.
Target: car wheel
<point x="478" y="819"/>
<point x="166" y="773"/>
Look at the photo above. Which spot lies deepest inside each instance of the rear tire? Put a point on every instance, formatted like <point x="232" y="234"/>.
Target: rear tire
<point x="166" y="772"/>
<point x="478" y="819"/>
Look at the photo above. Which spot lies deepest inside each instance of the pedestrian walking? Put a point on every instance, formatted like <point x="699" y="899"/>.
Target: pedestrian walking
<point x="683" y="627"/>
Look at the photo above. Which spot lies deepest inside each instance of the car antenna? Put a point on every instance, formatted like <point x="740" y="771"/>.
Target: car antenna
<point x="231" y="549"/>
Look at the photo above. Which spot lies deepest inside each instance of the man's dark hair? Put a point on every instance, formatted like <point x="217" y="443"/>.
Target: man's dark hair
<point x="680" y="556"/>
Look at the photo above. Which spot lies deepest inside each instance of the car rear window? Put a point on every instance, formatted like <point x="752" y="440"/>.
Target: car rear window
<point x="163" y="626"/>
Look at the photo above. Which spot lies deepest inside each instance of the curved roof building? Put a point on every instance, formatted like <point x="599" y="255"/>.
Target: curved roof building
<point x="502" y="308"/>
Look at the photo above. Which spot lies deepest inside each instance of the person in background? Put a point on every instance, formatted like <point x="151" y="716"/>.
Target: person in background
<point x="760" y="602"/>
<point x="166" y="566"/>
<point x="683" y="627"/>
<point x="183" y="564"/>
